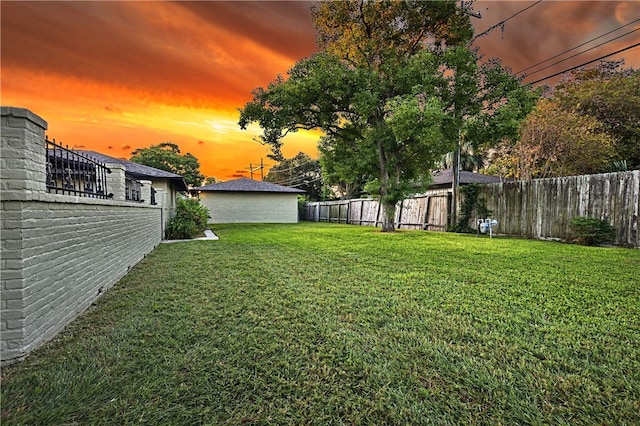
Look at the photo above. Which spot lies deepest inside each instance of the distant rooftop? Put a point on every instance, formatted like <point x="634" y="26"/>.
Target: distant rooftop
<point x="445" y="177"/>
<point x="139" y="171"/>
<point x="247" y="185"/>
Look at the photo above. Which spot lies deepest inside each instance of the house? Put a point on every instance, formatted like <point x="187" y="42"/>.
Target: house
<point x="442" y="179"/>
<point x="165" y="184"/>
<point x="250" y="201"/>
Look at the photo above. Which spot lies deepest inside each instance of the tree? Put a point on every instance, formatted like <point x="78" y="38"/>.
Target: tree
<point x="612" y="96"/>
<point x="391" y="91"/>
<point x="470" y="158"/>
<point x="301" y="171"/>
<point x="557" y="142"/>
<point x="166" y="156"/>
<point x="209" y="180"/>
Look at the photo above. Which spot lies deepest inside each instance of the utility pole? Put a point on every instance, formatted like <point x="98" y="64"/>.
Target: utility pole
<point x="261" y="168"/>
<point x="465" y="6"/>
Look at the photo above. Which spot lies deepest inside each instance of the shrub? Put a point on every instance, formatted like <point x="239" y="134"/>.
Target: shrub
<point x="191" y="218"/>
<point x="590" y="231"/>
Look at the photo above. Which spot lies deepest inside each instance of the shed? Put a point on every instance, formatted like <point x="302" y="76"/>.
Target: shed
<point x="250" y="201"/>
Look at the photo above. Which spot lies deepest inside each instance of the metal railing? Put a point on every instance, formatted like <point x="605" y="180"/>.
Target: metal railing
<point x="133" y="189"/>
<point x="72" y="173"/>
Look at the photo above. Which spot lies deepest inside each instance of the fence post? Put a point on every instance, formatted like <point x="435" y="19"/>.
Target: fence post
<point x="23" y="164"/>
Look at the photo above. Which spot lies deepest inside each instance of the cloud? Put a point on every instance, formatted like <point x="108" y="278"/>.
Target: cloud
<point x="551" y="28"/>
<point x="199" y="54"/>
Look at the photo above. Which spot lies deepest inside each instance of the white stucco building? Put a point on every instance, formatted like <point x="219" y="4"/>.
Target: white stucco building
<point x="250" y="201"/>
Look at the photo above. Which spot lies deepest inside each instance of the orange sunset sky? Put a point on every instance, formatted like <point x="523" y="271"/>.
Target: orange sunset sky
<point x="118" y="75"/>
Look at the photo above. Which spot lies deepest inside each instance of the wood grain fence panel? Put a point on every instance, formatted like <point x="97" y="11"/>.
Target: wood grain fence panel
<point x="543" y="208"/>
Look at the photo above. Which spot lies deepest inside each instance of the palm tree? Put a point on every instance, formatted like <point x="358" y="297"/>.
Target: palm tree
<point x="470" y="160"/>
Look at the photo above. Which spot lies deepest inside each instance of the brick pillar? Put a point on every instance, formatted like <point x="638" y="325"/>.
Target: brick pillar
<point x="145" y="191"/>
<point x="23" y="174"/>
<point x="23" y="168"/>
<point x="115" y="181"/>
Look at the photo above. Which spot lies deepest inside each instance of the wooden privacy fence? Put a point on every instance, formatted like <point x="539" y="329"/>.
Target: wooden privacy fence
<point x="543" y="208"/>
<point x="427" y="211"/>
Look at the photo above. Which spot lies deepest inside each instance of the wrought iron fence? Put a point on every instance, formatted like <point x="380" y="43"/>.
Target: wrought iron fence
<point x="72" y="173"/>
<point x="133" y="191"/>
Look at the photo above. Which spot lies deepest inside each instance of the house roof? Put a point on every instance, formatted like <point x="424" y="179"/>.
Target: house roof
<point x="445" y="177"/>
<point x="140" y="171"/>
<point x="247" y="185"/>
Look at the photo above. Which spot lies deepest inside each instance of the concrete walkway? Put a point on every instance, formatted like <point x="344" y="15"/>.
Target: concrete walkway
<point x="209" y="235"/>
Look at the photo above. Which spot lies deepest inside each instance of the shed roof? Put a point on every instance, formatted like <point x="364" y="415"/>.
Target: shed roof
<point x="248" y="185"/>
<point x="140" y="171"/>
<point x="445" y="177"/>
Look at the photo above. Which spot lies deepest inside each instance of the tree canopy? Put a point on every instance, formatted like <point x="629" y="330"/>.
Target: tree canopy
<point x="166" y="156"/>
<point x="302" y="172"/>
<point x="589" y="123"/>
<point x="612" y="97"/>
<point x="557" y="142"/>
<point x="392" y="90"/>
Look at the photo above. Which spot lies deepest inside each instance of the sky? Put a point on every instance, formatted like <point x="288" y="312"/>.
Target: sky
<point x="114" y="76"/>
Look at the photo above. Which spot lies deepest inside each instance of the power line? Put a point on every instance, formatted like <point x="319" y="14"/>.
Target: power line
<point x="586" y="63"/>
<point x="296" y="180"/>
<point x="306" y="182"/>
<point x="584" y="51"/>
<point x="292" y="167"/>
<point x="580" y="45"/>
<point x="501" y="23"/>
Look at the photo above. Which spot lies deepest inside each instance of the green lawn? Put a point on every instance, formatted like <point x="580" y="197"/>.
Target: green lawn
<point x="335" y="324"/>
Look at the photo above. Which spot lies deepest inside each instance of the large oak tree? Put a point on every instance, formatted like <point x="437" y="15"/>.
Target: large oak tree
<point x="392" y="89"/>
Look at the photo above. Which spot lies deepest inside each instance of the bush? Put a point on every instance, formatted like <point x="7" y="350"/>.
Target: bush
<point x="590" y="231"/>
<point x="191" y="218"/>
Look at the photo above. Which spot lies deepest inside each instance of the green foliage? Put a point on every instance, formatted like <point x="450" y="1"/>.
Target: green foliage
<point x="302" y="172"/>
<point x="209" y="180"/>
<point x="470" y="203"/>
<point x="191" y="218"/>
<point x="317" y="324"/>
<point x="557" y="142"/>
<point x="589" y="125"/>
<point x="611" y="95"/>
<point x="591" y="231"/>
<point x="166" y="156"/>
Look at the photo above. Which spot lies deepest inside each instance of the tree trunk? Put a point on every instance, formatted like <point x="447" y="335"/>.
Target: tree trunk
<point x="388" y="208"/>
<point x="388" y="216"/>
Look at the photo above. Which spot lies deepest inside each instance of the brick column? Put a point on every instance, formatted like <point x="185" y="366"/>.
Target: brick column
<point x="23" y="174"/>
<point x="115" y="181"/>
<point x="23" y="168"/>
<point x="145" y="191"/>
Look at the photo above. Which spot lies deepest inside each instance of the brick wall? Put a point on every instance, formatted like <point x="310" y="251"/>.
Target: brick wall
<point x="59" y="252"/>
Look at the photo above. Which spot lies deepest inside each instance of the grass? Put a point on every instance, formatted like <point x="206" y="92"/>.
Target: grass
<point x="334" y="324"/>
